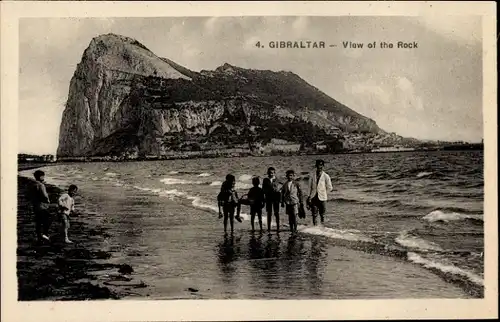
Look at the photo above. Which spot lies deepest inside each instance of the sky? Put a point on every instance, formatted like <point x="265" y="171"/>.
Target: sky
<point x="433" y="92"/>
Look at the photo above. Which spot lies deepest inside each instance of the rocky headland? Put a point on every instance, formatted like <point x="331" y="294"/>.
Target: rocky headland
<point x="125" y="102"/>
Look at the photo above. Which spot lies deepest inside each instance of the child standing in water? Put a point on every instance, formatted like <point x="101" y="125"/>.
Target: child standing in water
<point x="291" y="197"/>
<point x="271" y="188"/>
<point x="66" y="207"/>
<point x="228" y="202"/>
<point x="257" y="201"/>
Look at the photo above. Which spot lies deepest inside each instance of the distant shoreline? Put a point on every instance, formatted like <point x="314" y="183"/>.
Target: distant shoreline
<point x="27" y="165"/>
<point x="22" y="166"/>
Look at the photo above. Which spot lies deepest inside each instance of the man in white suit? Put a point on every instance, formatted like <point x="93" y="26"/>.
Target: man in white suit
<point x="319" y="185"/>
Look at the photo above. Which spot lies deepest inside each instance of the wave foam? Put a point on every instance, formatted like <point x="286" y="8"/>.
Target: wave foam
<point x="245" y="177"/>
<point x="173" y="192"/>
<point x="242" y="185"/>
<point x="415" y="258"/>
<point x="147" y="189"/>
<point x="438" y="215"/>
<point x="170" y="181"/>
<point x="173" y="172"/>
<point x="204" y="174"/>
<point x="111" y="174"/>
<point x="335" y="233"/>
<point x="409" y="241"/>
<point x="424" y="174"/>
<point x="197" y="202"/>
<point x="238" y="185"/>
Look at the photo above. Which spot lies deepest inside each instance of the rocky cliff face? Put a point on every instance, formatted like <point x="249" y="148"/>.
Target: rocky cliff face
<point x="123" y="99"/>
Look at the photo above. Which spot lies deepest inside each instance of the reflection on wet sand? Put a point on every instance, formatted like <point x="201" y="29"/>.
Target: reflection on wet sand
<point x="273" y="265"/>
<point x="228" y="251"/>
<point x="263" y="253"/>
<point x="315" y="265"/>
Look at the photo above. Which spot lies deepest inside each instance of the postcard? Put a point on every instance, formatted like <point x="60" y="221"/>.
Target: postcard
<point x="248" y="160"/>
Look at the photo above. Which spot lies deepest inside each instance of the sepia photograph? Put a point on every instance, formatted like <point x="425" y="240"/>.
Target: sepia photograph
<point x="259" y="157"/>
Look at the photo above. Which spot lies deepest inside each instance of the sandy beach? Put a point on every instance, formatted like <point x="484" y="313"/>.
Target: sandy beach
<point x="178" y="251"/>
<point x="55" y="271"/>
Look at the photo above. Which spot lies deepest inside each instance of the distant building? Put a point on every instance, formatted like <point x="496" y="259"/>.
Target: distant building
<point x="35" y="158"/>
<point x="320" y="146"/>
<point x="392" y="149"/>
<point x="279" y="142"/>
<point x="281" y="146"/>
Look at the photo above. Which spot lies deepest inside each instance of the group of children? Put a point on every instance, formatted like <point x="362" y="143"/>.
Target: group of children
<point x="41" y="208"/>
<point x="271" y="195"/>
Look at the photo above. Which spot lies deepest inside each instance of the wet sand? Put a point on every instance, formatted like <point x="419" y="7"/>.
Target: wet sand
<point x="247" y="266"/>
<point x="56" y="271"/>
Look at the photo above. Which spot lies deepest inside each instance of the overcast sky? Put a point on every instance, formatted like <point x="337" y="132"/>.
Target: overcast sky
<point x="431" y="92"/>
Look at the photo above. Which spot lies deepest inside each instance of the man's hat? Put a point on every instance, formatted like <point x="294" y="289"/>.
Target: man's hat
<point x="320" y="162"/>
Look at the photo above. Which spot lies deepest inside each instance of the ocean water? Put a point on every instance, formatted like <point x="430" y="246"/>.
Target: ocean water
<point x="398" y="225"/>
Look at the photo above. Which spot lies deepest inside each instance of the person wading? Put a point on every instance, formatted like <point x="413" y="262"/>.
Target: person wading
<point x="319" y="185"/>
<point x="291" y="197"/>
<point x="272" y="194"/>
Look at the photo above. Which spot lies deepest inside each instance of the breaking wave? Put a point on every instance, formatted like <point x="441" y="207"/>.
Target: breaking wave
<point x="445" y="268"/>
<point x="173" y="192"/>
<point x="171" y="181"/>
<point x="424" y="174"/>
<point x="438" y="215"/>
<point x="405" y="244"/>
<point x="335" y="233"/>
<point x="413" y="242"/>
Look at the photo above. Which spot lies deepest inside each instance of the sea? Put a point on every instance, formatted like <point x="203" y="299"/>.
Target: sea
<point x="398" y="225"/>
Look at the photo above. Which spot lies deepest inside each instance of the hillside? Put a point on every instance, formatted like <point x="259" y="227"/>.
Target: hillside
<point x="125" y="101"/>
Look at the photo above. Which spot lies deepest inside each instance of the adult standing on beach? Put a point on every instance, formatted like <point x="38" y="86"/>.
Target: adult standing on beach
<point x="40" y="200"/>
<point x="319" y="185"/>
<point x="272" y="193"/>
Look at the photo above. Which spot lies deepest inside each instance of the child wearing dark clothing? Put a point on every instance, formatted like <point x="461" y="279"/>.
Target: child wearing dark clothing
<point x="40" y="201"/>
<point x="271" y="188"/>
<point x="228" y="202"/>
<point x="291" y="198"/>
<point x="257" y="201"/>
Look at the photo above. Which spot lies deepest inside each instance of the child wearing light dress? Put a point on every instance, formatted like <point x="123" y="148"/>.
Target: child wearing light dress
<point x="66" y="205"/>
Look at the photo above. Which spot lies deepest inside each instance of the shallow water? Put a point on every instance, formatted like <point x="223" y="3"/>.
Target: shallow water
<point x="396" y="223"/>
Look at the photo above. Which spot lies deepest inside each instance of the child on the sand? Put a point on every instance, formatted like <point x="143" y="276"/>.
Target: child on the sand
<point x="257" y="201"/>
<point x="66" y="207"/>
<point x="228" y="202"/>
<point x="291" y="197"/>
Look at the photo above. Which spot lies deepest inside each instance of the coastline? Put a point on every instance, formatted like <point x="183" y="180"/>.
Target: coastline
<point x="22" y="166"/>
<point x="57" y="271"/>
<point x="67" y="270"/>
<point x="189" y="155"/>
